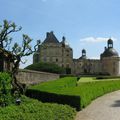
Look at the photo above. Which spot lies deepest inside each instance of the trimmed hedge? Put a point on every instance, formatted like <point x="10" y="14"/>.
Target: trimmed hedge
<point x="67" y="75"/>
<point x="46" y="67"/>
<point x="81" y="94"/>
<point x="56" y="85"/>
<point x="108" y="77"/>
<point x="73" y="101"/>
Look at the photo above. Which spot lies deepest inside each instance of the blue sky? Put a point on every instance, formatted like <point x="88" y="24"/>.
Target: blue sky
<point x="85" y="23"/>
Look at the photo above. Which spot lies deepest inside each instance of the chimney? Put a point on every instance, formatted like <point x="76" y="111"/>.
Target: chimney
<point x="47" y="34"/>
<point x="63" y="39"/>
<point x="52" y="32"/>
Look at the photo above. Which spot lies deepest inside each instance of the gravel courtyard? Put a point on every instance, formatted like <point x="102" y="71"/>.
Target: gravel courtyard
<point x="106" y="107"/>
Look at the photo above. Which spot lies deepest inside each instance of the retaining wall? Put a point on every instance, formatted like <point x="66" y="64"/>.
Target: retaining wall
<point x="33" y="77"/>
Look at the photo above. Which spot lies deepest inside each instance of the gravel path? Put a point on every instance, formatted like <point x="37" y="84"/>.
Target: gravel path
<point x="106" y="107"/>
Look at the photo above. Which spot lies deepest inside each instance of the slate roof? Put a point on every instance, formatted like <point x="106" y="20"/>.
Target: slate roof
<point x="110" y="52"/>
<point x="50" y="38"/>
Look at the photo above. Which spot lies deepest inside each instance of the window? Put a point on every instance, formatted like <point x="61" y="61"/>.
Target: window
<point x="56" y="59"/>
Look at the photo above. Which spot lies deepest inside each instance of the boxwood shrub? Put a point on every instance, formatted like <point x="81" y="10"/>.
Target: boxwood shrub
<point x="73" y="101"/>
<point x="66" y="91"/>
<point x="46" y="67"/>
<point x="35" y="110"/>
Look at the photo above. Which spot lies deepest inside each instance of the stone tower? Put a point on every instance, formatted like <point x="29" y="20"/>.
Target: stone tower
<point x="110" y="60"/>
<point x="53" y="51"/>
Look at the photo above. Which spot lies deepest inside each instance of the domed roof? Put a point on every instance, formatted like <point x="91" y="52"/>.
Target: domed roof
<point x="110" y="41"/>
<point x="83" y="54"/>
<point x="110" y="52"/>
<point x="83" y="51"/>
<point x="83" y="57"/>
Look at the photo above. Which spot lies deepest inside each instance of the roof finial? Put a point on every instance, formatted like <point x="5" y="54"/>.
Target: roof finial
<point x="63" y="38"/>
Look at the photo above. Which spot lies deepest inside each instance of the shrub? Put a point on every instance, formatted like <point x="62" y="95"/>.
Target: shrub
<point x="73" y="101"/>
<point x="41" y="93"/>
<point x="107" y="77"/>
<point x="67" y="75"/>
<point x="46" y="67"/>
<point x="34" y="110"/>
<point x="81" y="95"/>
<point x="5" y="89"/>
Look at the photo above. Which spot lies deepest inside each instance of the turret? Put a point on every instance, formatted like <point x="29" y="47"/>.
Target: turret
<point x="83" y="54"/>
<point x="110" y="43"/>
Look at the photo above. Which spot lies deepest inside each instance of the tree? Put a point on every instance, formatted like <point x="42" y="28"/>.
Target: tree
<point x="46" y="67"/>
<point x="5" y="30"/>
<point x="16" y="50"/>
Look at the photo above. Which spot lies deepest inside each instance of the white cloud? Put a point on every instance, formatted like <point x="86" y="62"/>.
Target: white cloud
<point x="96" y="39"/>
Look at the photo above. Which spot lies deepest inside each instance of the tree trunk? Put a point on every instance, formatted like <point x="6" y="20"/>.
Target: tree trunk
<point x="17" y="86"/>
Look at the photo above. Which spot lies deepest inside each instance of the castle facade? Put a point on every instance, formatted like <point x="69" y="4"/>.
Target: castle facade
<point x="60" y="53"/>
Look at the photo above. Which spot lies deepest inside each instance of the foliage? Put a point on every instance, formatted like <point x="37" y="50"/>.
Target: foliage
<point x="5" y="30"/>
<point x="5" y="89"/>
<point x="73" y="101"/>
<point x="17" y="51"/>
<point x="67" y="75"/>
<point x="46" y="67"/>
<point x="35" y="110"/>
<point x="87" y="91"/>
<point x="108" y="77"/>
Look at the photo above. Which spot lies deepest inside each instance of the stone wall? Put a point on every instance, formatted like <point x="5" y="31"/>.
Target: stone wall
<point x="30" y="77"/>
<point x="111" y="65"/>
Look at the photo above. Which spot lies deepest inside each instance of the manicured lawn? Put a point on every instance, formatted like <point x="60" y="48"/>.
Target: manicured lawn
<point x="57" y="85"/>
<point x="87" y="79"/>
<point x="93" y="79"/>
<point x="87" y="91"/>
<point x="35" y="110"/>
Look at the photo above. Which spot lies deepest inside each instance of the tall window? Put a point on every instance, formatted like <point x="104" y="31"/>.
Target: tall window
<point x="56" y="59"/>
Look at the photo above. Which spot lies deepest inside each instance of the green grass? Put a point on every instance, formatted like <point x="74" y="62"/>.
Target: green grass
<point x="93" y="79"/>
<point x="87" y="91"/>
<point x="86" y="79"/>
<point x="91" y="90"/>
<point x="57" y="85"/>
<point x="35" y="110"/>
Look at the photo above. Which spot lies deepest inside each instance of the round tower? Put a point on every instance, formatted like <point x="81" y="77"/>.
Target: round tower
<point x="110" y="60"/>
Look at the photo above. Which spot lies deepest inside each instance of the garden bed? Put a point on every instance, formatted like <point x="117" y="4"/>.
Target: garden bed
<point x="35" y="110"/>
<point x="67" y="88"/>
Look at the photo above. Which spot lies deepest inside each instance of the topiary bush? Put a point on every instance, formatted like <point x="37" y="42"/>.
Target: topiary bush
<point x="46" y="67"/>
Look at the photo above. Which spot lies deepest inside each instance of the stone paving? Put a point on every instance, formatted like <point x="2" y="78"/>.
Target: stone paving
<point x="106" y="107"/>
